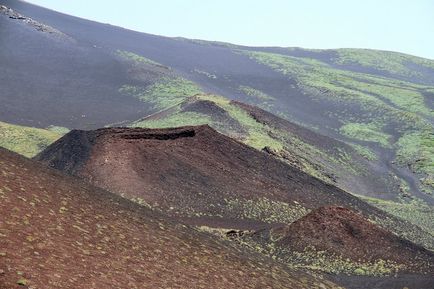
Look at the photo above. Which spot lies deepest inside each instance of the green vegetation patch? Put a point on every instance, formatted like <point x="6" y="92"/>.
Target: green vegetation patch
<point x="366" y="132"/>
<point x="136" y="58"/>
<point x="374" y="93"/>
<point x="323" y="261"/>
<point x="416" y="149"/>
<point x="365" y="152"/>
<point x="415" y="211"/>
<point x="250" y="91"/>
<point x="258" y="134"/>
<point x="175" y="120"/>
<point x="165" y="93"/>
<point x="371" y="101"/>
<point x="266" y="210"/>
<point x="392" y="62"/>
<point x="58" y="129"/>
<point x="27" y="141"/>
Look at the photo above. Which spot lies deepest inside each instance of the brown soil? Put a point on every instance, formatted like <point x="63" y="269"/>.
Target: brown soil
<point x="345" y="233"/>
<point x="59" y="232"/>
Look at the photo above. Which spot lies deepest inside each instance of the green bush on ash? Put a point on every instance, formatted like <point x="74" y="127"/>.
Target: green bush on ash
<point x="364" y="152"/>
<point x="175" y="120"/>
<point x="27" y="141"/>
<point x="165" y="93"/>
<point x="58" y="129"/>
<point x="415" y="211"/>
<point x="416" y="149"/>
<point x="266" y="210"/>
<point x="392" y="62"/>
<point x="378" y="95"/>
<point x="317" y="260"/>
<point x="366" y="132"/>
<point x="136" y="58"/>
<point x="255" y="93"/>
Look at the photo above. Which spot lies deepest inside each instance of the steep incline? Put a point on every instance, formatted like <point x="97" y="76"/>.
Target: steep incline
<point x="58" y="232"/>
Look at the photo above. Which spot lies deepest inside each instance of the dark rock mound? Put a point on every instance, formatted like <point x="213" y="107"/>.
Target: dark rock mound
<point x="195" y="173"/>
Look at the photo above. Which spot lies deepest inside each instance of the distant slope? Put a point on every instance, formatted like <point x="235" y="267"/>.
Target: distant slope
<point x="51" y="78"/>
<point x="348" y="167"/>
<point x="204" y="178"/>
<point x="392" y="117"/>
<point x="381" y="102"/>
<point x="58" y="232"/>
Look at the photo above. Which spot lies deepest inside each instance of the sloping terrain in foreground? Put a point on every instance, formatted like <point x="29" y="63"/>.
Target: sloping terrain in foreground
<point x="58" y="232"/>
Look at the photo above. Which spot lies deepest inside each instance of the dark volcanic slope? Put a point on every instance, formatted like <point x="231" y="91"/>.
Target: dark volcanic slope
<point x="57" y="232"/>
<point x="326" y="158"/>
<point x="342" y="232"/>
<point x="50" y="78"/>
<point x="199" y="175"/>
<point x="192" y="169"/>
<point x="380" y="102"/>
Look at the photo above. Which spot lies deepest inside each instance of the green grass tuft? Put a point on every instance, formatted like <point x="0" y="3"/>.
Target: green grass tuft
<point x="165" y="93"/>
<point x="366" y="132"/>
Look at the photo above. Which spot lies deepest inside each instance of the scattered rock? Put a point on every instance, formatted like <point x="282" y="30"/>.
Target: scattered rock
<point x="22" y="282"/>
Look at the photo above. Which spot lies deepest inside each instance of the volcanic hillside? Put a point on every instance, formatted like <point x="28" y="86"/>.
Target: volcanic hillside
<point x="58" y="232"/>
<point x="203" y="177"/>
<point x="59" y="70"/>
<point x="326" y="158"/>
<point x="337" y="231"/>
<point x="189" y="171"/>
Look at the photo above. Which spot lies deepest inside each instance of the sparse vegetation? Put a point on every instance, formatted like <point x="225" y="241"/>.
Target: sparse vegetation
<point x="323" y="261"/>
<point x="266" y="210"/>
<point x="415" y="211"/>
<point x="250" y="91"/>
<point x="365" y="152"/>
<point x="366" y="132"/>
<point x="393" y="63"/>
<point x="165" y="93"/>
<point x="416" y="149"/>
<point x="136" y="58"/>
<point x="376" y="101"/>
<point x="175" y="120"/>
